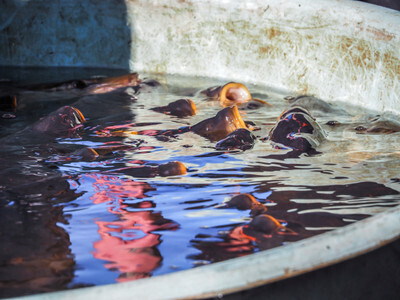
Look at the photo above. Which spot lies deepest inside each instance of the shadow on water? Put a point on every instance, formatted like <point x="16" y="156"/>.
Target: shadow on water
<point x="35" y="241"/>
<point x="35" y="247"/>
<point x="35" y="253"/>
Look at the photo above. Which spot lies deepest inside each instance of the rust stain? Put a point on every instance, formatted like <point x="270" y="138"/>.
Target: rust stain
<point x="359" y="53"/>
<point x="392" y="63"/>
<point x="265" y="49"/>
<point x="272" y="32"/>
<point x="304" y="89"/>
<point x="160" y="68"/>
<point x="380" y="35"/>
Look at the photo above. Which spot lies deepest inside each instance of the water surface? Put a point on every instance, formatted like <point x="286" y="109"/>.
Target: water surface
<point x="68" y="222"/>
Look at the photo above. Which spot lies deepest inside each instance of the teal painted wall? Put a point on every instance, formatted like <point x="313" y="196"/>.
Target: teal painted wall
<point x="64" y="33"/>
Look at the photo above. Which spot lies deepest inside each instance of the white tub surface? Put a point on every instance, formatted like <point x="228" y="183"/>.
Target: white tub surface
<point x="337" y="50"/>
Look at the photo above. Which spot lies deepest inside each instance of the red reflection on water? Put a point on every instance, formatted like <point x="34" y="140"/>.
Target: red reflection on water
<point x="134" y="257"/>
<point x="113" y="188"/>
<point x="128" y="244"/>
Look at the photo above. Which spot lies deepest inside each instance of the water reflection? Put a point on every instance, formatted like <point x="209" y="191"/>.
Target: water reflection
<point x="303" y="210"/>
<point x="35" y="241"/>
<point x="132" y="256"/>
<point x="82" y="203"/>
<point x="129" y="243"/>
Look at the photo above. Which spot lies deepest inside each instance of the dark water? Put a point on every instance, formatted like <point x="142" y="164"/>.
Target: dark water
<point x="67" y="221"/>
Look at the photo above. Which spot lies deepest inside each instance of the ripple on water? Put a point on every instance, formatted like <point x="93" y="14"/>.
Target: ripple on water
<point x="105" y="225"/>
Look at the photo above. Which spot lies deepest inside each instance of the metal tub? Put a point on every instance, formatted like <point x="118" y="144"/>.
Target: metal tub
<point x="340" y="51"/>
